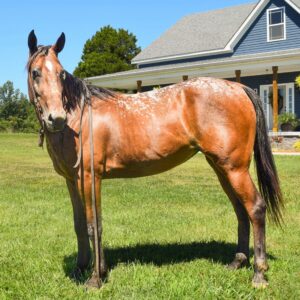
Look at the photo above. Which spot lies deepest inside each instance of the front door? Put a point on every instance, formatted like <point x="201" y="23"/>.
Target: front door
<point x="285" y="100"/>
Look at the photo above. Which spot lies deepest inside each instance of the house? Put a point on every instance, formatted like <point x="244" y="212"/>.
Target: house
<point x="255" y="44"/>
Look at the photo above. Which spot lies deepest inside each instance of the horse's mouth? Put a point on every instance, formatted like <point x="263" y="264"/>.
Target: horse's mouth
<point x="55" y="127"/>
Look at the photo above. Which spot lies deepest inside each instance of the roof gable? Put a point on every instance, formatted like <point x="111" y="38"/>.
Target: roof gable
<point x="199" y="34"/>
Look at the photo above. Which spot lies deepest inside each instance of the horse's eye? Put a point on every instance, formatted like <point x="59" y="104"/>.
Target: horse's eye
<point x="63" y="75"/>
<point x="35" y="74"/>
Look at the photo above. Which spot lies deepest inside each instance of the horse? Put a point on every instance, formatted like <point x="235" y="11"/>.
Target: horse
<point x="93" y="134"/>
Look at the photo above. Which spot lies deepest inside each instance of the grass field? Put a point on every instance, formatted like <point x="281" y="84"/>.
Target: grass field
<point x="166" y="237"/>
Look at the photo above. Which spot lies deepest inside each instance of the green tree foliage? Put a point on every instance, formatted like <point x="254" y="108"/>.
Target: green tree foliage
<point x="16" y="113"/>
<point x="108" y="51"/>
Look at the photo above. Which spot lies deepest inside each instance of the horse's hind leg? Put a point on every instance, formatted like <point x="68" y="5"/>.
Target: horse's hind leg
<point x="242" y="252"/>
<point x="239" y="180"/>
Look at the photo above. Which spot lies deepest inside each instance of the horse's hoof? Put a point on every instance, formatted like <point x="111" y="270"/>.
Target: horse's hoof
<point x="94" y="282"/>
<point x="259" y="281"/>
<point x="77" y="273"/>
<point x="239" y="261"/>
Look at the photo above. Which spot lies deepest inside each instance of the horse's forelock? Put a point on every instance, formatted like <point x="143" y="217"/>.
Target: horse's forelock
<point x="41" y="51"/>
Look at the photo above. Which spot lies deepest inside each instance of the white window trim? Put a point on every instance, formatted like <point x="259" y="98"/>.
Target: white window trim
<point x="268" y="24"/>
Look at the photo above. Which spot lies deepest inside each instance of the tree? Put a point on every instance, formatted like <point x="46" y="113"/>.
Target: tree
<point x="8" y="93"/>
<point x="16" y="113"/>
<point x="108" y="51"/>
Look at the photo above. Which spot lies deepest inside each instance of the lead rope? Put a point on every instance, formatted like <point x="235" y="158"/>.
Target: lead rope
<point x="94" y="204"/>
<point x="79" y="159"/>
<point x="80" y="132"/>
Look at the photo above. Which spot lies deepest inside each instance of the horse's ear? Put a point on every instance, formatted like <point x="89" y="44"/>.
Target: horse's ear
<point x="32" y="42"/>
<point x="60" y="43"/>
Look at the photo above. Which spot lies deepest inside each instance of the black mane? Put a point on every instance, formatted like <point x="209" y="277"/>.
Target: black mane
<point x="75" y="88"/>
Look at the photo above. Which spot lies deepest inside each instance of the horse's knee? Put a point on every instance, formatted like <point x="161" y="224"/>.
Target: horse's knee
<point x="90" y="229"/>
<point x="80" y="227"/>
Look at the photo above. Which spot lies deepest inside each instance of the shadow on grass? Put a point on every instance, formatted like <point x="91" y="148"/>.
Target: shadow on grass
<point x="161" y="254"/>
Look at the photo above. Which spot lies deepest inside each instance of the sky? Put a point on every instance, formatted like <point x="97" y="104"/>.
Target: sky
<point x="80" y="20"/>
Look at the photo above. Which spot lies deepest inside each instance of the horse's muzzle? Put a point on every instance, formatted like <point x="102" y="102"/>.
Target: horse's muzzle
<point x="56" y="121"/>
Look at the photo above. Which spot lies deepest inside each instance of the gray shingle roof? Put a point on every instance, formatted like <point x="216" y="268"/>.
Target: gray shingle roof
<point x="199" y="32"/>
<point x="297" y="2"/>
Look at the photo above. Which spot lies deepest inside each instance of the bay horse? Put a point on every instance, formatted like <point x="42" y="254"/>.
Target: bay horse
<point x="148" y="133"/>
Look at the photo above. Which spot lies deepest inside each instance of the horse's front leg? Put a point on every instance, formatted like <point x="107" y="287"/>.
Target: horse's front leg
<point x="95" y="227"/>
<point x="80" y="224"/>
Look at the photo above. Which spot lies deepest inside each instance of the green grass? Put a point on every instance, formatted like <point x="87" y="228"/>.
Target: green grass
<point x="166" y="237"/>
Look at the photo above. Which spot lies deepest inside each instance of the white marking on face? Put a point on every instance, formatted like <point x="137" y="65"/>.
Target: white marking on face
<point x="49" y="65"/>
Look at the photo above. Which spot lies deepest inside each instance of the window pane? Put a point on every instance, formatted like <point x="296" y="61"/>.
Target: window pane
<point x="265" y="102"/>
<point x="290" y="104"/>
<point x="276" y="32"/>
<point x="276" y="16"/>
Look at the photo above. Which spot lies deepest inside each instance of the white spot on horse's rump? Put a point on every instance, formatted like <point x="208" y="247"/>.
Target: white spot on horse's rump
<point x="49" y="65"/>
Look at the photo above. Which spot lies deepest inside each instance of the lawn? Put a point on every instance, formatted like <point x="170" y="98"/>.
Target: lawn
<point x="168" y="236"/>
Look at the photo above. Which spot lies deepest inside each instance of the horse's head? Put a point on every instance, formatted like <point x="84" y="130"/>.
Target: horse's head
<point x="45" y="82"/>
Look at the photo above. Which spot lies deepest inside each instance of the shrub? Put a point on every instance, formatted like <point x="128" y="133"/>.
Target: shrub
<point x="297" y="81"/>
<point x="288" y="118"/>
<point x="296" y="146"/>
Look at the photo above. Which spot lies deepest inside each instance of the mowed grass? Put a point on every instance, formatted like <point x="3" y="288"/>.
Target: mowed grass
<point x="168" y="236"/>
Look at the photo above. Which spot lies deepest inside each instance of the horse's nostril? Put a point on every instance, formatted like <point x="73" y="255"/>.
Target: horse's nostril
<point x="56" y="121"/>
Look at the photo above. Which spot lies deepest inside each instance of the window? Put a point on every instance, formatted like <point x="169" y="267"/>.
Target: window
<point x="276" y="24"/>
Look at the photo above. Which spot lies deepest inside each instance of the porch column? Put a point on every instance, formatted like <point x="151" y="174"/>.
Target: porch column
<point x="139" y="86"/>
<point x="185" y="77"/>
<point x="238" y="75"/>
<point x="275" y="99"/>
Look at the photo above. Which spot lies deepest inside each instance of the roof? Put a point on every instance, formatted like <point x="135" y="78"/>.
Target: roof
<point x="200" y="33"/>
<point x="297" y="2"/>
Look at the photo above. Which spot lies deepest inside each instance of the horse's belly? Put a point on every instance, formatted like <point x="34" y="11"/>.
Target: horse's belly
<point x="134" y="168"/>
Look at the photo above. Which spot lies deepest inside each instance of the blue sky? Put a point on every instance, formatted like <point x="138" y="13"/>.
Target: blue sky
<point x="79" y="20"/>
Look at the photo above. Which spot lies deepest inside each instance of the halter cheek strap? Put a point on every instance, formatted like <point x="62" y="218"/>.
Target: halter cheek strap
<point x="39" y="112"/>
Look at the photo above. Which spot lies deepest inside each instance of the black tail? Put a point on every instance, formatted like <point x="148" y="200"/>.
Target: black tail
<point x="268" y="181"/>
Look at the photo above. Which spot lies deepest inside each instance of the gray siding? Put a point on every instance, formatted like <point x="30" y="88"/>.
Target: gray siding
<point x="255" y="39"/>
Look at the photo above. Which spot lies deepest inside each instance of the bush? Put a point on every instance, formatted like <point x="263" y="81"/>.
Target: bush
<point x="288" y="118"/>
<point x="298" y="81"/>
<point x="4" y="125"/>
<point x="296" y="146"/>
